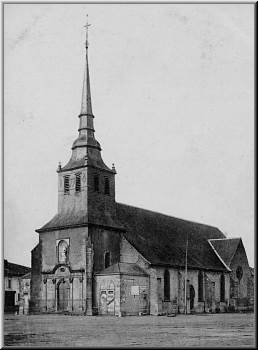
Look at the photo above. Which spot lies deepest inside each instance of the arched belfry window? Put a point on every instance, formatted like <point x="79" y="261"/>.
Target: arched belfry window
<point x="107" y="259"/>
<point x="62" y="252"/>
<point x="200" y="286"/>
<point x="166" y="285"/>
<point x="222" y="288"/>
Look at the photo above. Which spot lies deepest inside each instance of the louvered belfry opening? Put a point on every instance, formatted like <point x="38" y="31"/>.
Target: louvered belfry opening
<point x="66" y="184"/>
<point x="78" y="182"/>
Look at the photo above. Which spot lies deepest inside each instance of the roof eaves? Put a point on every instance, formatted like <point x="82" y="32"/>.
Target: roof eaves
<point x="215" y="251"/>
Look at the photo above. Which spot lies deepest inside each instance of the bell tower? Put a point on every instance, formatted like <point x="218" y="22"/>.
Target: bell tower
<point x="86" y="185"/>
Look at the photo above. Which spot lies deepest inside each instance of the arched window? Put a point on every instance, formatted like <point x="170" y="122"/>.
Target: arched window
<point x="239" y="273"/>
<point x="107" y="189"/>
<point x="222" y="288"/>
<point x="166" y="285"/>
<point x="200" y="286"/>
<point x="107" y="259"/>
<point x="62" y="252"/>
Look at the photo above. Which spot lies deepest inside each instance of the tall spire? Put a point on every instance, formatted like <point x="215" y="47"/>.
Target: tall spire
<point x="86" y="129"/>
<point x="86" y="107"/>
<point x="86" y="150"/>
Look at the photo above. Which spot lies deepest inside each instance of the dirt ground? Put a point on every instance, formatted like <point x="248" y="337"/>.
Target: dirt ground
<point x="216" y="330"/>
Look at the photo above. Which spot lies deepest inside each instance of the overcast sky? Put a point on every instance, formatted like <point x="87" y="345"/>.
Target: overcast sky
<point x="173" y="99"/>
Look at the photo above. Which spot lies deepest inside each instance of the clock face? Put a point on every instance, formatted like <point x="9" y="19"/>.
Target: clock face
<point x="239" y="272"/>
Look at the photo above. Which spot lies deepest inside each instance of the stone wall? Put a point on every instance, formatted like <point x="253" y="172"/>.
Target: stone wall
<point x="103" y="241"/>
<point x="134" y="295"/>
<point x="76" y="201"/>
<point x="240" y="297"/>
<point x="77" y="240"/>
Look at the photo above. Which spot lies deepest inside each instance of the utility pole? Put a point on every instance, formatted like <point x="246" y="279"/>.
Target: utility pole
<point x="186" y="248"/>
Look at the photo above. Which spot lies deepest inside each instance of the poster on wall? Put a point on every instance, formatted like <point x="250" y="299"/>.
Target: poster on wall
<point x="134" y="290"/>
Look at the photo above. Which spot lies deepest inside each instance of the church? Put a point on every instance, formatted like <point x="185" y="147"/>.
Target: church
<point x="100" y="257"/>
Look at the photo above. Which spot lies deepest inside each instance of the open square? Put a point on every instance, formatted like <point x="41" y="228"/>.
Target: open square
<point x="216" y="330"/>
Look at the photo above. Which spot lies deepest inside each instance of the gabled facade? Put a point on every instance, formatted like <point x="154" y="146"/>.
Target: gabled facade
<point x="97" y="256"/>
<point x="233" y="253"/>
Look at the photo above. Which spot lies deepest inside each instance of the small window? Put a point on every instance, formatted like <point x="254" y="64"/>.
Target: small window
<point x="96" y="183"/>
<point x="66" y="184"/>
<point x="19" y="297"/>
<point x="239" y="273"/>
<point x="9" y="283"/>
<point x="222" y="288"/>
<point x="107" y="189"/>
<point x="200" y="286"/>
<point x="166" y="285"/>
<point x="107" y="259"/>
<point x="78" y="182"/>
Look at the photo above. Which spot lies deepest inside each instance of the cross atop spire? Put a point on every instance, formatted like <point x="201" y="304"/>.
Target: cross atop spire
<point x="87" y="25"/>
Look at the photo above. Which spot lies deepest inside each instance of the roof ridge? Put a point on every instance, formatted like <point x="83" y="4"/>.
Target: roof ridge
<point x="221" y="239"/>
<point x="169" y="216"/>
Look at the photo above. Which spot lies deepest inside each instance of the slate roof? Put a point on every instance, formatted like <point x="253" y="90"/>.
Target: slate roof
<point x="11" y="269"/>
<point x="76" y="219"/>
<point x="161" y="239"/>
<point x="226" y="248"/>
<point x="123" y="269"/>
<point x="95" y="162"/>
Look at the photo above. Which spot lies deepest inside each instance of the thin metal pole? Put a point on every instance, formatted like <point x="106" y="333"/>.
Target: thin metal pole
<point x="186" y="248"/>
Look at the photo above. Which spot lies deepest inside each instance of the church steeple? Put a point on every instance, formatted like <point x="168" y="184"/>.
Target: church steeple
<point x="86" y="183"/>
<point x="86" y="150"/>
<point x="86" y="107"/>
<point x="86" y="128"/>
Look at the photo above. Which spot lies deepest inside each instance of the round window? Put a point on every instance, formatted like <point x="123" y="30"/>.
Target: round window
<point x="239" y="272"/>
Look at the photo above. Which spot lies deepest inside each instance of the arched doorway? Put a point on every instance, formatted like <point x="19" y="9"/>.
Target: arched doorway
<point x="62" y="295"/>
<point x="192" y="295"/>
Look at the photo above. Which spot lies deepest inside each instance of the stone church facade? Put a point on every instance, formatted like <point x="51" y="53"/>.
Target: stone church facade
<point x="97" y="256"/>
